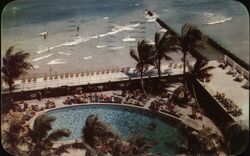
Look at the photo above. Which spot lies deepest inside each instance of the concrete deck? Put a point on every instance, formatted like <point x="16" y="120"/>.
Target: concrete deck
<point x="224" y="83"/>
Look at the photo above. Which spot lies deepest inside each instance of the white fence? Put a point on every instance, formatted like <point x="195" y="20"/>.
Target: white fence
<point x="237" y="67"/>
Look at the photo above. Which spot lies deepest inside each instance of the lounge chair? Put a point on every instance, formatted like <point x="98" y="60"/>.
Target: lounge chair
<point x="246" y="85"/>
<point x="239" y="78"/>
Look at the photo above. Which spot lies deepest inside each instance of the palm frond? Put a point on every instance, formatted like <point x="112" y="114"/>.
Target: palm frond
<point x="55" y="135"/>
<point x="206" y="69"/>
<point x="42" y="125"/>
<point x="9" y="51"/>
<point x="133" y="55"/>
<point x="167" y="58"/>
<point x="62" y="149"/>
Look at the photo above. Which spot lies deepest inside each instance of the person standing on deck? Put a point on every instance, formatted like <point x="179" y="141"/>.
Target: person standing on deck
<point x="39" y="95"/>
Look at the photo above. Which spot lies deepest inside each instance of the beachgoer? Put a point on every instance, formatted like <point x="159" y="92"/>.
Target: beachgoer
<point x="77" y="30"/>
<point x="44" y="36"/>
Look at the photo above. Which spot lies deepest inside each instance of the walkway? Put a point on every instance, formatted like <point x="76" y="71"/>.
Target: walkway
<point x="77" y="79"/>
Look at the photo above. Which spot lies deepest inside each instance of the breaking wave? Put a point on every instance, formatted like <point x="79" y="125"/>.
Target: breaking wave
<point x="42" y="57"/>
<point x="56" y="61"/>
<point x="87" y="57"/>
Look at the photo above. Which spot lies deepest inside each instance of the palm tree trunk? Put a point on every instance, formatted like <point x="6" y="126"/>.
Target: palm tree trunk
<point x="195" y="97"/>
<point x="159" y="68"/>
<point x="184" y="72"/>
<point x="142" y="85"/>
<point x="10" y="92"/>
<point x="184" y="62"/>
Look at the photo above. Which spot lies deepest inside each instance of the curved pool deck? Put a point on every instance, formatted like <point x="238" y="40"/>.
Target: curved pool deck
<point x="170" y="119"/>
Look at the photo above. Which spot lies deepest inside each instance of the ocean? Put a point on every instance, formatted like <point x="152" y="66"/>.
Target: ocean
<point x="108" y="29"/>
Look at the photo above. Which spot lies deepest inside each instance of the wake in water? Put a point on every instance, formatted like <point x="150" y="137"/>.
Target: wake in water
<point x="210" y="18"/>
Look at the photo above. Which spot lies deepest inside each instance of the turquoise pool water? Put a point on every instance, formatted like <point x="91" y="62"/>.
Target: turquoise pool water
<point x="126" y="121"/>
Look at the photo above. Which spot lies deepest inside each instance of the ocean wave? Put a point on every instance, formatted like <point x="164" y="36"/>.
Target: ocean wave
<point x="163" y="30"/>
<point x="151" y="20"/>
<point x="165" y="10"/>
<point x="211" y="18"/>
<point x="63" y="53"/>
<point x="128" y="39"/>
<point x="56" y="61"/>
<point x="87" y="57"/>
<point x="48" y="49"/>
<point x="42" y="57"/>
<point x="101" y="46"/>
<point x="117" y="28"/>
<point x="115" y="48"/>
<point x="106" y="18"/>
<point x="76" y="41"/>
<point x="36" y="66"/>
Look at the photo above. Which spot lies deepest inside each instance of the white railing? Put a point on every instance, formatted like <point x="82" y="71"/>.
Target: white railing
<point x="237" y="67"/>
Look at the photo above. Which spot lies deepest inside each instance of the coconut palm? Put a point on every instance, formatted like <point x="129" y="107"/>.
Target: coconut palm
<point x="12" y="138"/>
<point x="43" y="141"/>
<point x="142" y="143"/>
<point x="167" y="44"/>
<point x="144" y="57"/>
<point x="201" y="69"/>
<point x="14" y="65"/>
<point x="97" y="132"/>
<point x="191" y="39"/>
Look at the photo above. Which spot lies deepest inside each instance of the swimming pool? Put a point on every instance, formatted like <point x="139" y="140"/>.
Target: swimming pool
<point x="126" y="121"/>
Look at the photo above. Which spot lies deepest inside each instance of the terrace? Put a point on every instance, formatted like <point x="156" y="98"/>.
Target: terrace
<point x="231" y="88"/>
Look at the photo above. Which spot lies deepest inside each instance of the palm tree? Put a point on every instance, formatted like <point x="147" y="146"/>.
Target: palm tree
<point x="168" y="43"/>
<point x="42" y="141"/>
<point x="201" y="69"/>
<point x="142" y="143"/>
<point x="144" y="57"/>
<point x="97" y="132"/>
<point x="191" y="39"/>
<point x="14" y="65"/>
<point x="12" y="139"/>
